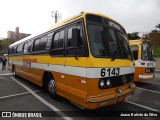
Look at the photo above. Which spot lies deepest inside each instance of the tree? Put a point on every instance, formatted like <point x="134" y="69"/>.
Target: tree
<point x="133" y="36"/>
<point x="158" y="26"/>
<point x="4" y="44"/>
<point x="154" y="31"/>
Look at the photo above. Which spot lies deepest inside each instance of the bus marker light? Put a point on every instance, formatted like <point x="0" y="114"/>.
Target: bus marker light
<point x="83" y="81"/>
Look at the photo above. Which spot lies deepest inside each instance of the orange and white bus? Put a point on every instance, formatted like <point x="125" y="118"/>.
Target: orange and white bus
<point x="86" y="59"/>
<point x="144" y="60"/>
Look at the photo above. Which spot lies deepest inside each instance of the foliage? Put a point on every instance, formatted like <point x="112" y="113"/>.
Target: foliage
<point x="154" y="31"/>
<point x="158" y="26"/>
<point x="156" y="51"/>
<point x="4" y="44"/>
<point x="133" y="36"/>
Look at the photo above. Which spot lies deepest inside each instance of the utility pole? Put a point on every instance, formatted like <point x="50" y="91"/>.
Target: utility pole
<point x="56" y="15"/>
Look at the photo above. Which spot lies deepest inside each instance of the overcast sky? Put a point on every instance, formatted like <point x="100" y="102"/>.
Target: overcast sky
<point x="34" y="15"/>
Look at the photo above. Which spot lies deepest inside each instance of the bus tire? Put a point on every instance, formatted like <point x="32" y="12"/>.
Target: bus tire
<point x="51" y="87"/>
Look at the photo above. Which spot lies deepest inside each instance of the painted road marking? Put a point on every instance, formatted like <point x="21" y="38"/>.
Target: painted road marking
<point x="142" y="106"/>
<point x="43" y="100"/>
<point x="6" y="74"/>
<point x="14" y="95"/>
<point x="148" y="90"/>
<point x="1" y="78"/>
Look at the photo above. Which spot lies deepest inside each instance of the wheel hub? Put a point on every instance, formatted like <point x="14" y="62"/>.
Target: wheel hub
<point x="51" y="86"/>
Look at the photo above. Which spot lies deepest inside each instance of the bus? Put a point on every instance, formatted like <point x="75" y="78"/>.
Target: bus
<point x="85" y="59"/>
<point x="144" y="60"/>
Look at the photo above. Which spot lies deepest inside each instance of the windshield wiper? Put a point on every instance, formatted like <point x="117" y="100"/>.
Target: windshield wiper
<point x="114" y="54"/>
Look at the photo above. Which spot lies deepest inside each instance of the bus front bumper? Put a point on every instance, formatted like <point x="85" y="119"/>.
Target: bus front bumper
<point x="113" y="98"/>
<point x="146" y="76"/>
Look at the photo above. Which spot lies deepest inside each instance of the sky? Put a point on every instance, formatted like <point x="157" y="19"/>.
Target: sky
<point x="32" y="16"/>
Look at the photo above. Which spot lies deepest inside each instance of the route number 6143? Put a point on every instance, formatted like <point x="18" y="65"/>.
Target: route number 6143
<point x="110" y="72"/>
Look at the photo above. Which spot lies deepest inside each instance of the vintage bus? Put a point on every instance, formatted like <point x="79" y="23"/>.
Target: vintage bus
<point x="144" y="60"/>
<point x="86" y="59"/>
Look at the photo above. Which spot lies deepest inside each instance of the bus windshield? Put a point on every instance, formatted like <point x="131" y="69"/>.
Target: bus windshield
<point x="108" y="42"/>
<point x="147" y="52"/>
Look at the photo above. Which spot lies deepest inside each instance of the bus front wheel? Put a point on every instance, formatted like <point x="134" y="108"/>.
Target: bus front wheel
<point x="52" y="88"/>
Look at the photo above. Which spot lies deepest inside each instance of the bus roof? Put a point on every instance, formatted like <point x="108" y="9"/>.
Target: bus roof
<point x="139" y="41"/>
<point x="60" y="23"/>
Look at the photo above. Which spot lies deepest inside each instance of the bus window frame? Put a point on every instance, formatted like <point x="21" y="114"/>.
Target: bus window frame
<point x="150" y="51"/>
<point x="52" y="50"/>
<point x="86" y="53"/>
<point x="53" y="31"/>
<point x="80" y="23"/>
<point x="107" y="27"/>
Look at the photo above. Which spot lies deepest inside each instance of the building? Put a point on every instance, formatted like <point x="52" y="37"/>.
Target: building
<point x="16" y="34"/>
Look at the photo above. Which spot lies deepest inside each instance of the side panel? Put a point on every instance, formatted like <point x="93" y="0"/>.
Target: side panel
<point x="70" y="79"/>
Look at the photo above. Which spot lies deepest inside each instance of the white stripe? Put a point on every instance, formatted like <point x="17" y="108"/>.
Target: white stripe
<point x="148" y="90"/>
<point x="3" y="74"/>
<point x="43" y="100"/>
<point x="78" y="71"/>
<point x="4" y="79"/>
<point x="96" y="72"/>
<point x="14" y="95"/>
<point x="142" y="106"/>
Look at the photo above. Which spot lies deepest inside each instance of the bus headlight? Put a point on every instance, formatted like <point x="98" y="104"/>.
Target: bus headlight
<point x="101" y="83"/>
<point x="132" y="85"/>
<point x="108" y="82"/>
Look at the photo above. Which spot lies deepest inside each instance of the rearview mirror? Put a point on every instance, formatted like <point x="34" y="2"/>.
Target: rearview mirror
<point x="76" y="37"/>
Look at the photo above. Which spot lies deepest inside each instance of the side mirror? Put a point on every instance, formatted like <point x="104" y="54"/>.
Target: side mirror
<point x="75" y="37"/>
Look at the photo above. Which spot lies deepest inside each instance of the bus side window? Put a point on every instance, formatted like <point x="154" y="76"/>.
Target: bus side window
<point x="69" y="36"/>
<point x="25" y="48"/>
<point x="58" y="43"/>
<point x="42" y="43"/>
<point x="30" y="44"/>
<point x="36" y="45"/>
<point x="19" y="49"/>
<point x="13" y="50"/>
<point x="135" y="52"/>
<point x="70" y="48"/>
<point x="49" y="42"/>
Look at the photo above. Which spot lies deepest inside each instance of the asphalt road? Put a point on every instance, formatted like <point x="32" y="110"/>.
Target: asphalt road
<point x="17" y="94"/>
